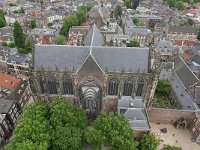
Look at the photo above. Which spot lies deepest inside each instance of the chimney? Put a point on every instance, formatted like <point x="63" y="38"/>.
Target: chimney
<point x="182" y="42"/>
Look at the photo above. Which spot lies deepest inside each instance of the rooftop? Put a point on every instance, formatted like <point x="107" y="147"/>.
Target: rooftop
<point x="113" y="59"/>
<point x="5" y="106"/>
<point x="183" y="96"/>
<point x="135" y="113"/>
<point x="8" y="81"/>
<point x="17" y="94"/>
<point x="183" y="30"/>
<point x="18" y="58"/>
<point x="184" y="73"/>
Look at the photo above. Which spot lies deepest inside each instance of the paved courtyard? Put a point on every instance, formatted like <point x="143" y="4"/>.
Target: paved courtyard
<point x="177" y="137"/>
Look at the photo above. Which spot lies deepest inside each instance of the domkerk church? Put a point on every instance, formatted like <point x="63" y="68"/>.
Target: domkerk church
<point x="95" y="77"/>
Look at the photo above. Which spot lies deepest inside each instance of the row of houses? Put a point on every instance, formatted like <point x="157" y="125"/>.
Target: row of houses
<point x="15" y="94"/>
<point x="14" y="63"/>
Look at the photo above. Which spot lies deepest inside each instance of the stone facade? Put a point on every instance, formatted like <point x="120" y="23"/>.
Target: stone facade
<point x="106" y="88"/>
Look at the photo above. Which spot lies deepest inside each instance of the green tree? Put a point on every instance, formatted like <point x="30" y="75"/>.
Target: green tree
<point x="128" y="3"/>
<point x="49" y="24"/>
<point x="81" y="15"/>
<point x="11" y="44"/>
<point x="32" y="131"/>
<point x="32" y="24"/>
<point x="19" y="36"/>
<point x="190" y="22"/>
<point x="22" y="10"/>
<point x="74" y="20"/>
<point x="111" y="130"/>
<point x="169" y="147"/>
<point x="148" y="141"/>
<point x="2" y="19"/>
<point x="2" y="23"/>
<point x="28" y="46"/>
<point x="133" y="44"/>
<point x="163" y="88"/>
<point x="171" y="3"/>
<point x="118" y="10"/>
<point x="180" y="5"/>
<point x="4" y="43"/>
<point x="68" y="125"/>
<point x="59" y="40"/>
<point x="136" y="21"/>
<point x="198" y="36"/>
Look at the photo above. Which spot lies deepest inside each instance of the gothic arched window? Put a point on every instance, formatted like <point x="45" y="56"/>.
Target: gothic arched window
<point x="113" y="87"/>
<point x="67" y="85"/>
<point x="140" y="88"/>
<point x="52" y="85"/>
<point x="41" y="83"/>
<point x="128" y="88"/>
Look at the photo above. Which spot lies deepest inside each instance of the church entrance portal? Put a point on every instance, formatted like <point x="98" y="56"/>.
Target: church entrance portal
<point x="91" y="98"/>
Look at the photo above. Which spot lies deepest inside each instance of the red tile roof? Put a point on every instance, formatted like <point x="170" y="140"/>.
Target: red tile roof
<point x="46" y="40"/>
<point x="184" y="42"/>
<point x="8" y="81"/>
<point x="197" y="4"/>
<point x="186" y="56"/>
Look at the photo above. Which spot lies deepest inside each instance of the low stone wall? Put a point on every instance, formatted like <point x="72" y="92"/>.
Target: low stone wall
<point x="167" y="116"/>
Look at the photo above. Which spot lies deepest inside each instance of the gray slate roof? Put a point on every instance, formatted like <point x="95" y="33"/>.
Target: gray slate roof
<point x="94" y="37"/>
<point x="18" y="58"/>
<point x="5" y="106"/>
<point x="183" y="96"/>
<point x="17" y="94"/>
<point x="121" y="58"/>
<point x="108" y="58"/>
<point x="194" y="63"/>
<point x="133" y="110"/>
<point x="52" y="56"/>
<point x="196" y="59"/>
<point x="6" y="31"/>
<point x="183" y="30"/>
<point x="186" y="76"/>
<point x="127" y="101"/>
<point x="165" y="45"/>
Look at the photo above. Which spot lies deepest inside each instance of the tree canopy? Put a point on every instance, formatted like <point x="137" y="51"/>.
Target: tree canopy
<point x="49" y="126"/>
<point x="118" y="10"/>
<point x="133" y="44"/>
<point x="68" y="125"/>
<point x="180" y="5"/>
<point x="28" y="46"/>
<point x="149" y="141"/>
<point x="32" y="131"/>
<point x="32" y="24"/>
<point x="128" y="3"/>
<point x="19" y="36"/>
<point x="2" y="19"/>
<point x="74" y="20"/>
<point x="163" y="88"/>
<point x="59" y="40"/>
<point x="136" y="21"/>
<point x="111" y="130"/>
<point x="191" y="22"/>
<point x="176" y="3"/>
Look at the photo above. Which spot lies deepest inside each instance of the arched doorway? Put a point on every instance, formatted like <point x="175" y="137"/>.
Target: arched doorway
<point x="91" y="98"/>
